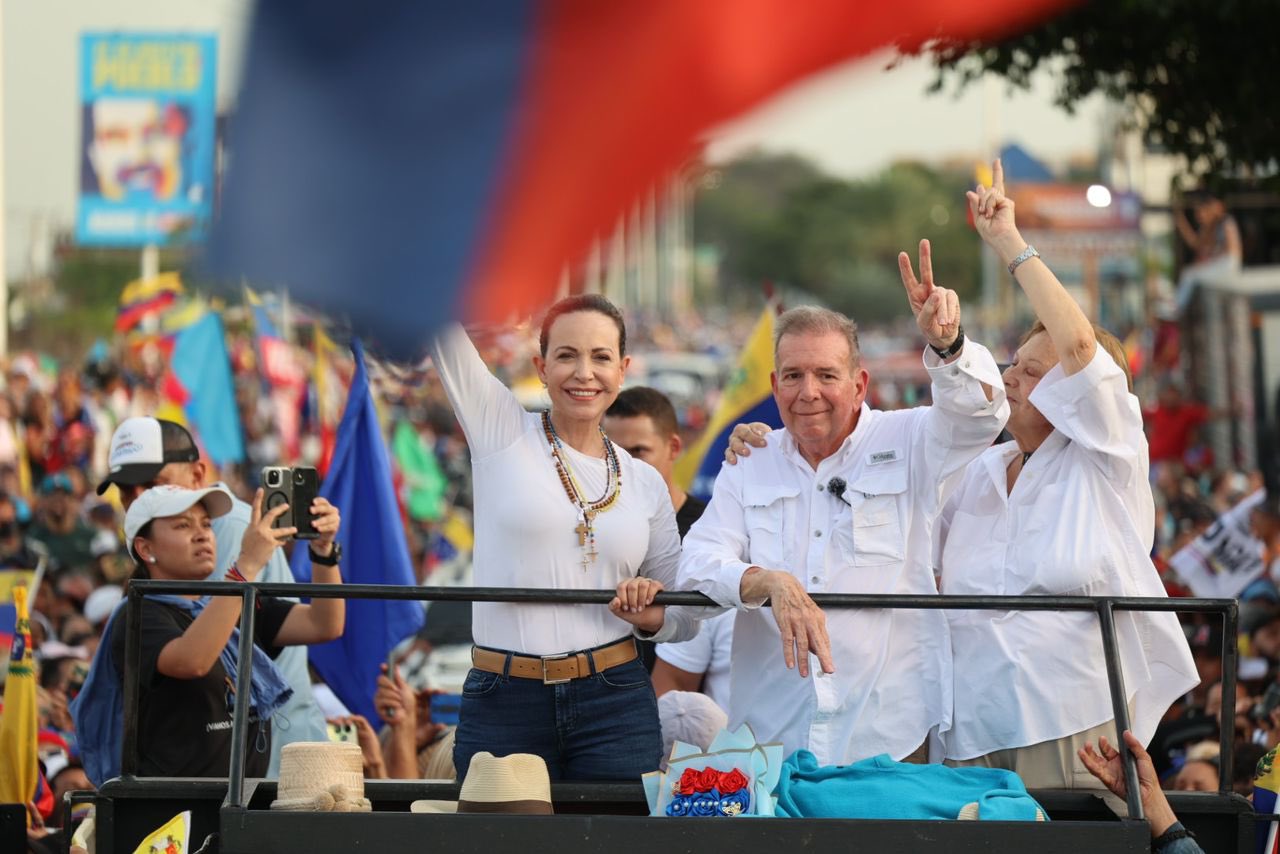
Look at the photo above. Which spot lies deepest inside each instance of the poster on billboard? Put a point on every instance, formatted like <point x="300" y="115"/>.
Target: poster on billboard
<point x="148" y="116"/>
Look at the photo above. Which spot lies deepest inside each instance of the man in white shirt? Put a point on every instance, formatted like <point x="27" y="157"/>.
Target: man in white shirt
<point x="843" y="500"/>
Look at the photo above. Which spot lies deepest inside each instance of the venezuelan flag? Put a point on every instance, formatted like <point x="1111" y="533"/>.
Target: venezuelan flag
<point x="1266" y="783"/>
<point x="403" y="164"/>
<point x="143" y="297"/>
<point x="18" y="720"/>
<point x="748" y="397"/>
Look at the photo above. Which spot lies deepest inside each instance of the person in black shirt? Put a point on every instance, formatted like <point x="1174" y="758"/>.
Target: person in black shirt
<point x="188" y="689"/>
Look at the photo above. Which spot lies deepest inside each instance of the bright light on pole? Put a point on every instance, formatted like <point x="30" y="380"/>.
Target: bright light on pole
<point x="1098" y="196"/>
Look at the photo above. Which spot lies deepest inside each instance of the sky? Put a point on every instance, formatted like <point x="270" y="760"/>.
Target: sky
<point x="853" y="120"/>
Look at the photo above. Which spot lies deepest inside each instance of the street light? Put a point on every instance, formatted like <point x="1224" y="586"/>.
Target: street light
<point x="1098" y="196"/>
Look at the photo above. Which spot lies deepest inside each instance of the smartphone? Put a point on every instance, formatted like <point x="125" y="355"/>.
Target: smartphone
<point x="297" y="487"/>
<point x="342" y="732"/>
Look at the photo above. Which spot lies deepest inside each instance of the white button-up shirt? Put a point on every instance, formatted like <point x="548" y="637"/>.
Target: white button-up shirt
<point x="1079" y="522"/>
<point x="773" y="510"/>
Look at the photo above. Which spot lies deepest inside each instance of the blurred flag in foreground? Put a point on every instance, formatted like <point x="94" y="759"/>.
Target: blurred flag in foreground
<point x="374" y="551"/>
<point x="18" y="720"/>
<point x="748" y="397"/>
<point x="399" y="165"/>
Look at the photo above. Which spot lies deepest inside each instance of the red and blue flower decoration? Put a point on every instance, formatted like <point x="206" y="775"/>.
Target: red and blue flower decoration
<point x="710" y="792"/>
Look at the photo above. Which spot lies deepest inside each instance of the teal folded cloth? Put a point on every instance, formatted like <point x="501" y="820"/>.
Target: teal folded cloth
<point x="882" y="788"/>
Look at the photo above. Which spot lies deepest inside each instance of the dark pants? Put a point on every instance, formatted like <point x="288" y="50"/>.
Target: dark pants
<point x="599" y="727"/>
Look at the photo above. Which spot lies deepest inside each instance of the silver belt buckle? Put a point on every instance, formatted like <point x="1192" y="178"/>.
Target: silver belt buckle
<point x="545" y="659"/>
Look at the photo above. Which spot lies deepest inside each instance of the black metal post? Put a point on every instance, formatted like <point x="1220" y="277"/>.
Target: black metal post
<point x="244" y="691"/>
<point x="1119" y="706"/>
<point x="1230" y="668"/>
<point x="132" y="686"/>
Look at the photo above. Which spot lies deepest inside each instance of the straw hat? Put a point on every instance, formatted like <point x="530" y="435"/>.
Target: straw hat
<point x="518" y="783"/>
<point x="321" y="776"/>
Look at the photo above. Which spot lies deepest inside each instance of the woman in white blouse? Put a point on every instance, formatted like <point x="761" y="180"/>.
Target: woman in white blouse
<point x="557" y="505"/>
<point x="1063" y="509"/>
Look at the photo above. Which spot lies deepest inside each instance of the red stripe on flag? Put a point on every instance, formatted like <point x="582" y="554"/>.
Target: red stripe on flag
<point x="620" y="93"/>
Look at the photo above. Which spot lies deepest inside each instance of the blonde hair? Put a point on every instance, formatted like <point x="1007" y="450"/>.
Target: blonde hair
<point x="1106" y="341"/>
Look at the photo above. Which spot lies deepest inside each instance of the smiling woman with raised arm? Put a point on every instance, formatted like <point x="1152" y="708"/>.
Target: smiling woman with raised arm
<point x="1065" y="509"/>
<point x="559" y="506"/>
<point x="190" y="644"/>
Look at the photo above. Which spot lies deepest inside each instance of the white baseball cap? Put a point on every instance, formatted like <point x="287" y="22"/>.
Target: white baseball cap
<point x="102" y="602"/>
<point x="161" y="502"/>
<point x="141" y="446"/>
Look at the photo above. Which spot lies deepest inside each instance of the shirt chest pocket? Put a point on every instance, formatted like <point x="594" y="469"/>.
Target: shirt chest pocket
<point x="767" y="511"/>
<point x="872" y="534"/>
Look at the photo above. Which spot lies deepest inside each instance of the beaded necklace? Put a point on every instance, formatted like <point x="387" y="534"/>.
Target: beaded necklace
<point x="587" y="510"/>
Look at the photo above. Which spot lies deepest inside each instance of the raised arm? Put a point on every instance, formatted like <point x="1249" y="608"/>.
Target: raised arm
<point x="1068" y="328"/>
<point x="489" y="413"/>
<point x="190" y="655"/>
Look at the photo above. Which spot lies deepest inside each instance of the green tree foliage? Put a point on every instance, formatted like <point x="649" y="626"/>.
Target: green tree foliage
<point x="1198" y="75"/>
<point x="779" y="219"/>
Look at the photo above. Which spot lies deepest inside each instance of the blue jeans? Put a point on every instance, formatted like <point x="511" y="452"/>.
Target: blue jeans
<point x="598" y="727"/>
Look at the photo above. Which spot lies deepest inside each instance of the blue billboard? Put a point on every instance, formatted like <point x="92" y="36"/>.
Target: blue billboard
<point x="148" y="135"/>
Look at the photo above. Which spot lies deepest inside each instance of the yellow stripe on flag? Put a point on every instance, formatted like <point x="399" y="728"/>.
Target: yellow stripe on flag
<point x="747" y="387"/>
<point x="143" y="289"/>
<point x="18" y="720"/>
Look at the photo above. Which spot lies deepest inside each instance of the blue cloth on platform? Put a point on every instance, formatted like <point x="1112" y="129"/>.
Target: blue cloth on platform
<point x="882" y="788"/>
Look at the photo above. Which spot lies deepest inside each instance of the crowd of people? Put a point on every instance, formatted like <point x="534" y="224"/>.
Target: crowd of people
<point x="1092" y="495"/>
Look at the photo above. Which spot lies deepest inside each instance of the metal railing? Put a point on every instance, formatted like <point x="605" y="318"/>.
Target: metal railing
<point x="1105" y="608"/>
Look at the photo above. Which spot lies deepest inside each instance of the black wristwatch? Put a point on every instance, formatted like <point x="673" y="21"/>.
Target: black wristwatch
<point x="956" y="346"/>
<point x="330" y="559"/>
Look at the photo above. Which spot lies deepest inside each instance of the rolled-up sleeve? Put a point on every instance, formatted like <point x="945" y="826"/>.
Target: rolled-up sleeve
<point x="961" y="423"/>
<point x="716" y="547"/>
<point x="1095" y="409"/>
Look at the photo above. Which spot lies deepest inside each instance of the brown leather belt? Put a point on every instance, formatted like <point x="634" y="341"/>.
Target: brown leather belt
<point x="556" y="669"/>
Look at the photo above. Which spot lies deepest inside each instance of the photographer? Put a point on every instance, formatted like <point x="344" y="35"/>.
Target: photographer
<point x="147" y="452"/>
<point x="190" y="645"/>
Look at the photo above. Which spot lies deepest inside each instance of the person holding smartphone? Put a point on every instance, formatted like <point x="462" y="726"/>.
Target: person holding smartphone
<point x="190" y="644"/>
<point x="147" y="452"/>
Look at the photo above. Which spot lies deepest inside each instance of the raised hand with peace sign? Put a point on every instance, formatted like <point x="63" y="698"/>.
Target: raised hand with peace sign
<point x="937" y="310"/>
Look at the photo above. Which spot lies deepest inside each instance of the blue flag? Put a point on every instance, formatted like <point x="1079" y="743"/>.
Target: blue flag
<point x="374" y="551"/>
<point x="201" y="364"/>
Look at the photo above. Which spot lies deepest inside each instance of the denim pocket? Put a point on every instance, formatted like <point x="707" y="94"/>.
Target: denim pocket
<point x="629" y="675"/>
<point x="480" y="682"/>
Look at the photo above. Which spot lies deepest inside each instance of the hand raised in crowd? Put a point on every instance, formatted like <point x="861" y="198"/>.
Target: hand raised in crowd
<point x="992" y="211"/>
<point x="937" y="310"/>
<point x="260" y="539"/>
<point x="634" y="603"/>
<point x="743" y="438"/>
<point x="802" y="623"/>
<point x="326" y="519"/>
<point x="394" y="699"/>
<point x="1107" y="765"/>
